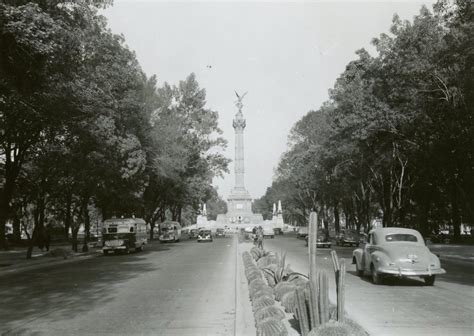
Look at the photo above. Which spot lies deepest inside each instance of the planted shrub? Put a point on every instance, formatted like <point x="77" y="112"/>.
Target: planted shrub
<point x="267" y="291"/>
<point x="262" y="301"/>
<point x="332" y="328"/>
<point x="288" y="300"/>
<point x="282" y="288"/>
<point x="271" y="327"/>
<point x="257" y="288"/>
<point x="267" y="260"/>
<point x="270" y="311"/>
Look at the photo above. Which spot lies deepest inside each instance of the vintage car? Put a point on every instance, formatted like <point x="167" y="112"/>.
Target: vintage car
<point x="268" y="232"/>
<point x="322" y="239"/>
<point x="220" y="232"/>
<point x="347" y="237"/>
<point x="302" y="232"/>
<point x="204" y="235"/>
<point x="396" y="252"/>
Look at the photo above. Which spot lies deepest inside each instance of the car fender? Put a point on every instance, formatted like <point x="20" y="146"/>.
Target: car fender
<point x="378" y="258"/>
<point x="357" y="257"/>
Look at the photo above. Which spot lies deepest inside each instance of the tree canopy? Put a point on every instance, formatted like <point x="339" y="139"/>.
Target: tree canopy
<point x="395" y="140"/>
<point x="82" y="126"/>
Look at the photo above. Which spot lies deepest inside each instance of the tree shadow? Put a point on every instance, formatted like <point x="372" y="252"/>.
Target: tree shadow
<point x="60" y="293"/>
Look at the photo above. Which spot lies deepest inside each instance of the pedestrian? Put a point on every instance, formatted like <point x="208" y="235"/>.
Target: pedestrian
<point x="260" y="237"/>
<point x="47" y="236"/>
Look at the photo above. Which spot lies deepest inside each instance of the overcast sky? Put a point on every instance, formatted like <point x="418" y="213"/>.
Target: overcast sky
<point x="285" y="54"/>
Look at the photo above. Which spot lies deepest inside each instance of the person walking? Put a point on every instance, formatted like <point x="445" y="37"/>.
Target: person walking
<point x="260" y="237"/>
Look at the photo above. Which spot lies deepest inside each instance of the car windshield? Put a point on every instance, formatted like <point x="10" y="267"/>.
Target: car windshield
<point x="397" y="237"/>
<point x="205" y="233"/>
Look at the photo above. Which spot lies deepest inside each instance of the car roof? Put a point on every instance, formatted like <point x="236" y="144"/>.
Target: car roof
<point x="394" y="230"/>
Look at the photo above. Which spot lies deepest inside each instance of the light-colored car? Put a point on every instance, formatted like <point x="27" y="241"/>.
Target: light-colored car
<point x="396" y="252"/>
<point x="268" y="232"/>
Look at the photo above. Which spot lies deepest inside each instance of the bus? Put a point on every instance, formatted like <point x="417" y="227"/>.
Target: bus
<point x="169" y="231"/>
<point x="124" y="235"/>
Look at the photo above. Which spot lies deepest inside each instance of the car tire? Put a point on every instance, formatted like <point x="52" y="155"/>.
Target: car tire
<point x="430" y="280"/>
<point x="376" y="277"/>
<point x="359" y="272"/>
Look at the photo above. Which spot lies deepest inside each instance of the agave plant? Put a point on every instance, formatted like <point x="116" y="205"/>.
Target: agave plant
<point x="281" y="272"/>
<point x="271" y="327"/>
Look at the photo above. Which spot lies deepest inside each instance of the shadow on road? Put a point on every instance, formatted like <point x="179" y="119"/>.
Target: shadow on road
<point x="62" y="292"/>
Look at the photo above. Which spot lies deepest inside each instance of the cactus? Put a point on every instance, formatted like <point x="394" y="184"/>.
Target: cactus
<point x="288" y="300"/>
<point x="341" y="291"/>
<point x="331" y="329"/>
<point x="257" y="288"/>
<point x="267" y="260"/>
<point x="302" y="311"/>
<point x="323" y="297"/>
<point x="282" y="288"/>
<point x="262" y="301"/>
<point x="263" y="291"/>
<point x="271" y="327"/>
<point x="269" y="311"/>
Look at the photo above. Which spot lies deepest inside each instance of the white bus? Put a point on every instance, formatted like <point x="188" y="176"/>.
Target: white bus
<point x="169" y="231"/>
<point x="124" y="235"/>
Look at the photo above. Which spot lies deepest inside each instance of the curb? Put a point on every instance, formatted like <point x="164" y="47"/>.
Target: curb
<point x="244" y="319"/>
<point x="20" y="269"/>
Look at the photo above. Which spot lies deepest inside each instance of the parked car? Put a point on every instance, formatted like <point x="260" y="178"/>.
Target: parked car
<point x="348" y="237"/>
<point x="193" y="233"/>
<point x="396" y="252"/>
<point x="322" y="239"/>
<point x="268" y="232"/>
<point x="204" y="235"/>
<point x="220" y="232"/>
<point x="302" y="232"/>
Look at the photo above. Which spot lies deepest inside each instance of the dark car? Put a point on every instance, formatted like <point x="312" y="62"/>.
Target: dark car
<point x="204" y="235"/>
<point x="302" y="232"/>
<point x="220" y="232"/>
<point x="322" y="239"/>
<point x="193" y="233"/>
<point x="348" y="237"/>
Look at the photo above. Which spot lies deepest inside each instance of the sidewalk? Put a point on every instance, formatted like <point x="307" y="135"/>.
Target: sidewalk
<point x="14" y="260"/>
<point x="448" y="251"/>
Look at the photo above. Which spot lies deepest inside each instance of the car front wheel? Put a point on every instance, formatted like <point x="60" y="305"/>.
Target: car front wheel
<point x="376" y="277"/>
<point x="429" y="280"/>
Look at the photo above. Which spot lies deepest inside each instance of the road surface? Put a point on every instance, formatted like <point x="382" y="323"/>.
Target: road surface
<point x="184" y="288"/>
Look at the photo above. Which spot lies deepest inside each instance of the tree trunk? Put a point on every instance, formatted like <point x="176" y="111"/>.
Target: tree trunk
<point x="87" y="224"/>
<point x="455" y="214"/>
<point x="337" y="220"/>
<point x="68" y="219"/>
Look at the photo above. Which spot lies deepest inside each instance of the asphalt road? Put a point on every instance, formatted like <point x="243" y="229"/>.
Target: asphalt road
<point x="400" y="306"/>
<point x="184" y="288"/>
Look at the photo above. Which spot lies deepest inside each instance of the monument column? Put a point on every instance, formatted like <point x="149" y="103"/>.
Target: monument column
<point x="239" y="126"/>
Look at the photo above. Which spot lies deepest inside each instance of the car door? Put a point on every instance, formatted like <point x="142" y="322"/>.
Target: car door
<point x="368" y="249"/>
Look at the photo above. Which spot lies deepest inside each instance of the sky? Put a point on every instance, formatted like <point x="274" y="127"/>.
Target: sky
<point x="286" y="55"/>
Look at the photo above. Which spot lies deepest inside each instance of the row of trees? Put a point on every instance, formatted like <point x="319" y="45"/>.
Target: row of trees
<point x="83" y="131"/>
<point x="395" y="141"/>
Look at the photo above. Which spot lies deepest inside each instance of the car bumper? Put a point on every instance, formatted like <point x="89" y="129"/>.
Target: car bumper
<point x="401" y="272"/>
<point x="167" y="239"/>
<point x="114" y="248"/>
<point x="321" y="244"/>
